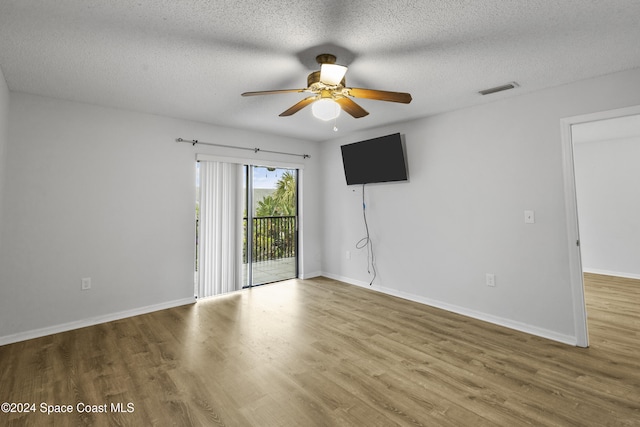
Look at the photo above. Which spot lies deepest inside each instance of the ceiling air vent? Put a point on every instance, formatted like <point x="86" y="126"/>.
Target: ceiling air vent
<point x="508" y="86"/>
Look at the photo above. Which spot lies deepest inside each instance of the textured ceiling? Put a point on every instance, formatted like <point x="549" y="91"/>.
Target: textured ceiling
<point x="192" y="59"/>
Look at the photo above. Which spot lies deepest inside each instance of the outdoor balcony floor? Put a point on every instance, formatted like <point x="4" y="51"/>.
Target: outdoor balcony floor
<point x="271" y="271"/>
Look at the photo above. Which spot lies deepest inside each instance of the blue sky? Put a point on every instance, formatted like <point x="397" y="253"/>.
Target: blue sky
<point x="264" y="178"/>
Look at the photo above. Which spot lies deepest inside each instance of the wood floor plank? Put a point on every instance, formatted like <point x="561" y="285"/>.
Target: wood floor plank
<point x="320" y="352"/>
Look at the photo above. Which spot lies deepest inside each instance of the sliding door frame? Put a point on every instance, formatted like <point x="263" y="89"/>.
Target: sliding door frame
<point x="249" y="176"/>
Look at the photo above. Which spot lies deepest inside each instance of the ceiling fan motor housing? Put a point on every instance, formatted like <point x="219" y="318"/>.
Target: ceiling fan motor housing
<point x="326" y="58"/>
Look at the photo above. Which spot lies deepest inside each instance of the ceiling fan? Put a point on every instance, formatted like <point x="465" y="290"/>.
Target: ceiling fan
<point x="330" y="92"/>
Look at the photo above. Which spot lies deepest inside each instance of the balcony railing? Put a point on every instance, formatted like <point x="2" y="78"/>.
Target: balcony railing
<point x="274" y="237"/>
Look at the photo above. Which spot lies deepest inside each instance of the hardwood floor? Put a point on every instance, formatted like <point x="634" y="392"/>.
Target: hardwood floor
<point x="322" y="353"/>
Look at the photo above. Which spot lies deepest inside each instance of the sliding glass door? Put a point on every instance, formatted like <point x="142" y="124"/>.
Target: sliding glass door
<point x="270" y="225"/>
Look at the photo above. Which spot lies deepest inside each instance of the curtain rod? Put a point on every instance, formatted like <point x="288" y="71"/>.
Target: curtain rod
<point x="255" y="150"/>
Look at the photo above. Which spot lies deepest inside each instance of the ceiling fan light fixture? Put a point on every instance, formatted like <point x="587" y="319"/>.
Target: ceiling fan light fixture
<point x="325" y="109"/>
<point x="332" y="74"/>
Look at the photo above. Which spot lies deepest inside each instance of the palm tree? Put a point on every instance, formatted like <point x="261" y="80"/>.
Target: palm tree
<point x="267" y="207"/>
<point x="285" y="194"/>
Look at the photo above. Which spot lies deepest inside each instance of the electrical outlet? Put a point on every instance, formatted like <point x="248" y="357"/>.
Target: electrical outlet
<point x="86" y="283"/>
<point x="348" y="255"/>
<point x="491" y="279"/>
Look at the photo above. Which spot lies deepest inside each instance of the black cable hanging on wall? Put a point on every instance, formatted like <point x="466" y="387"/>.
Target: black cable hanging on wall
<point x="255" y="150"/>
<point x="366" y="242"/>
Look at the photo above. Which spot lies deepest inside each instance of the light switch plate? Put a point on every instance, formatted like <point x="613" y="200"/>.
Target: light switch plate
<point x="529" y="217"/>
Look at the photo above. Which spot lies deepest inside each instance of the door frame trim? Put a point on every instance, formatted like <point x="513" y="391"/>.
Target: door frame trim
<point x="571" y="211"/>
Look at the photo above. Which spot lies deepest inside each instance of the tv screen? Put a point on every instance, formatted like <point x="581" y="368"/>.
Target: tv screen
<point x="374" y="160"/>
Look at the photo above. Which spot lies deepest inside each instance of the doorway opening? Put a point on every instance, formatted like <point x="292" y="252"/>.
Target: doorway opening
<point x="270" y="225"/>
<point x="573" y="129"/>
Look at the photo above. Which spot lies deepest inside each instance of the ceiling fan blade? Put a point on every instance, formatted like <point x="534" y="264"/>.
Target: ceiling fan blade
<point x="299" y="106"/>
<point x="380" y="95"/>
<point x="351" y="107"/>
<point x="273" y="92"/>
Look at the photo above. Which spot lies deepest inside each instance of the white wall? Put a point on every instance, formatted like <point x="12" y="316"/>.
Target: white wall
<point x="4" y="136"/>
<point x="473" y="172"/>
<point x="108" y="194"/>
<point x="607" y="177"/>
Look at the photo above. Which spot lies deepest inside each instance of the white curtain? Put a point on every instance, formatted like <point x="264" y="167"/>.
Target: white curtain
<point x="220" y="235"/>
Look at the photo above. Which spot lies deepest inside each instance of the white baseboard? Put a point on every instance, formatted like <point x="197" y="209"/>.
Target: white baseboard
<point x="349" y="280"/>
<point x="64" y="327"/>
<point x="311" y="275"/>
<point x="611" y="273"/>
<point x="507" y="323"/>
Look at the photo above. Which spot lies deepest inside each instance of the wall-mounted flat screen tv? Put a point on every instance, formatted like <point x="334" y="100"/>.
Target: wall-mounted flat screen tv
<point x="374" y="160"/>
